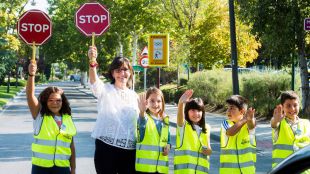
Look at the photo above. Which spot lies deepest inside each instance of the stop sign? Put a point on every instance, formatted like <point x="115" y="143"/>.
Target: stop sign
<point x="34" y="26"/>
<point x="92" y="17"/>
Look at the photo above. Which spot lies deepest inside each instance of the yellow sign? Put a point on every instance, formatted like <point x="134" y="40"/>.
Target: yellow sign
<point x="158" y="50"/>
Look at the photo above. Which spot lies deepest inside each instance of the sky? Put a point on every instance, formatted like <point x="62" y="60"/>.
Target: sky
<point x="40" y="5"/>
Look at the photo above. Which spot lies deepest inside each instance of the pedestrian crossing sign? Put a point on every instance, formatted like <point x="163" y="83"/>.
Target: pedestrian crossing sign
<point x="158" y="48"/>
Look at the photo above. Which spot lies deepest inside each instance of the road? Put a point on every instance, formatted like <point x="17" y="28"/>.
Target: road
<point x="16" y="133"/>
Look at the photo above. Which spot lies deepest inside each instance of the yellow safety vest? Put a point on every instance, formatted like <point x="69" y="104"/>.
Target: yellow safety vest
<point x="149" y="151"/>
<point x="188" y="156"/>
<point x="51" y="146"/>
<point x="238" y="155"/>
<point x="287" y="140"/>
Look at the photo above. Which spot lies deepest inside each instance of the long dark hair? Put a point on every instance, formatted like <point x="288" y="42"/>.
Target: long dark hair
<point x="196" y="103"/>
<point x="117" y="63"/>
<point x="43" y="98"/>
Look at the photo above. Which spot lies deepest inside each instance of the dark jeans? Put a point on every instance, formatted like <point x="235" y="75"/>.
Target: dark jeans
<point x="113" y="160"/>
<point x="49" y="170"/>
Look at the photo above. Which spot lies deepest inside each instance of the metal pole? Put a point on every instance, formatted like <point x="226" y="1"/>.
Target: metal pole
<point x="144" y="83"/>
<point x="234" y="59"/>
<point x="293" y="73"/>
<point x="158" y="78"/>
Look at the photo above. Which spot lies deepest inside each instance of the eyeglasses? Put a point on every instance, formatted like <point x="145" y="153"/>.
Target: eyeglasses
<point x="121" y="69"/>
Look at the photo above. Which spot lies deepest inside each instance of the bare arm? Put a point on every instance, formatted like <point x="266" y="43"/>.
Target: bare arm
<point x="183" y="99"/>
<point x="142" y="103"/>
<point x="92" y="55"/>
<point x="208" y="151"/>
<point x="236" y="127"/>
<point x="32" y="100"/>
<point x="72" y="158"/>
<point x="277" y="117"/>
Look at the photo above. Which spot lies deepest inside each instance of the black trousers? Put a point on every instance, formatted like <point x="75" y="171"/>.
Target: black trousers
<point x="113" y="160"/>
<point x="49" y="170"/>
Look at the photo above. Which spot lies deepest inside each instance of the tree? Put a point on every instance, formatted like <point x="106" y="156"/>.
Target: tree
<point x="279" y="25"/>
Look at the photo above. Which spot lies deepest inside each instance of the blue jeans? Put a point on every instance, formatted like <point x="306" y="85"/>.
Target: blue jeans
<point x="49" y="170"/>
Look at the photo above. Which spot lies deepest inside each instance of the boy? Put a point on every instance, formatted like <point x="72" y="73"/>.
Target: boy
<point x="238" y="144"/>
<point x="289" y="132"/>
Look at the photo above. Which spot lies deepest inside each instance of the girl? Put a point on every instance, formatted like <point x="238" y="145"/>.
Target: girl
<point x="193" y="137"/>
<point x="153" y="144"/>
<point x="53" y="150"/>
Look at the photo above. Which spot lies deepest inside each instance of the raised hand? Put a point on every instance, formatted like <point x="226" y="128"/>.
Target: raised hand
<point x="278" y="113"/>
<point x="142" y="103"/>
<point x="166" y="150"/>
<point x="186" y="96"/>
<point x="250" y="114"/>
<point x="32" y="68"/>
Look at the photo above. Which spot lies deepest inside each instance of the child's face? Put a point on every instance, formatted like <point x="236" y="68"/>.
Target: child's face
<point x="194" y="115"/>
<point x="154" y="103"/>
<point x="54" y="103"/>
<point x="291" y="108"/>
<point x="234" y="113"/>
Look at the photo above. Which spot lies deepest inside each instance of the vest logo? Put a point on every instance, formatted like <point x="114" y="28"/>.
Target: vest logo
<point x="245" y="141"/>
<point x="165" y="140"/>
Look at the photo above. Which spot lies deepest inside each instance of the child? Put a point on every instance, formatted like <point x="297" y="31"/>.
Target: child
<point x="289" y="132"/>
<point x="238" y="144"/>
<point x="193" y="137"/>
<point x="153" y="144"/>
<point x="53" y="148"/>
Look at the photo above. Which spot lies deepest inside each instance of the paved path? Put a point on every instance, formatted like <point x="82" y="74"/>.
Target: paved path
<point x="16" y="133"/>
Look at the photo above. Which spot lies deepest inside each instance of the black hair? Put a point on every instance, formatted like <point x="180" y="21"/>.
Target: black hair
<point x="43" y="98"/>
<point x="117" y="63"/>
<point x="288" y="95"/>
<point x="196" y="103"/>
<point x="239" y="101"/>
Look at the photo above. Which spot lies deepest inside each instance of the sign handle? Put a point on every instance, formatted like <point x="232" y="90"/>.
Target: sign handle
<point x="33" y="59"/>
<point x="93" y="39"/>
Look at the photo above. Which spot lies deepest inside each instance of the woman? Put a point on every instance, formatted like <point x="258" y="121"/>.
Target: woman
<point x="115" y="129"/>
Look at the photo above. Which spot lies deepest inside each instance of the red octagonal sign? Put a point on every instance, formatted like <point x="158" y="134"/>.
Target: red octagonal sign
<point x="34" y="26"/>
<point x="92" y="17"/>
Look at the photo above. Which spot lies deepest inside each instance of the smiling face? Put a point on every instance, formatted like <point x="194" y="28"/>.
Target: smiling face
<point x="234" y="113"/>
<point x="121" y="75"/>
<point x="194" y="115"/>
<point x="154" y="103"/>
<point x="291" y="108"/>
<point x="54" y="103"/>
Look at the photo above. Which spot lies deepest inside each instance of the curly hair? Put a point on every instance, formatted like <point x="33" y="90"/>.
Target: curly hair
<point x="117" y="63"/>
<point x="196" y="103"/>
<point x="43" y="98"/>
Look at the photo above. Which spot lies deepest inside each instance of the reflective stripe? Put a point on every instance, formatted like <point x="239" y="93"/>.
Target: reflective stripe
<point x="51" y="143"/>
<point x="187" y="152"/>
<point x="283" y="147"/>
<point x="236" y="165"/>
<point x="190" y="166"/>
<point x="149" y="147"/>
<point x="277" y="160"/>
<point x="50" y="156"/>
<point x="239" y="152"/>
<point x="152" y="162"/>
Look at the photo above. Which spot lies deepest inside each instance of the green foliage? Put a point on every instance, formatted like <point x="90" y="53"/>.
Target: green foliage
<point x="263" y="90"/>
<point x="20" y="82"/>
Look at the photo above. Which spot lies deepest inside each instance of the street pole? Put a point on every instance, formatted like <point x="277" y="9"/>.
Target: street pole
<point x="293" y="73"/>
<point x="234" y="59"/>
<point x="158" y="77"/>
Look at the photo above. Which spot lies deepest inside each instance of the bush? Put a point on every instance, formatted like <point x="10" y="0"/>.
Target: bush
<point x="263" y="90"/>
<point x="13" y="82"/>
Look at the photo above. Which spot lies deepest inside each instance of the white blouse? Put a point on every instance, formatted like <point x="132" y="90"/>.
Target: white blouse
<point x="117" y="115"/>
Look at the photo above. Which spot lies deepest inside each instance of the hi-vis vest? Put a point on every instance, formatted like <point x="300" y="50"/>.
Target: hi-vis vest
<point x="51" y="146"/>
<point x="239" y="154"/>
<point x="149" y="151"/>
<point x="188" y="156"/>
<point x="287" y="140"/>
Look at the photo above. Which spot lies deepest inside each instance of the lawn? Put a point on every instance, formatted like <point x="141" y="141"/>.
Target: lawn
<point x="5" y="97"/>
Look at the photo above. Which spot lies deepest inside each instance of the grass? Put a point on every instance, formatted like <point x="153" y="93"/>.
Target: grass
<point x="5" y="97"/>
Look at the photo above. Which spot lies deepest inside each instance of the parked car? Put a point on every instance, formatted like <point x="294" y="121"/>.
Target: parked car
<point x="75" y="77"/>
<point x="296" y="163"/>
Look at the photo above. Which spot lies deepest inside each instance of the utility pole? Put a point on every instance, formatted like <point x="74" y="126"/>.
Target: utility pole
<point x="234" y="59"/>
